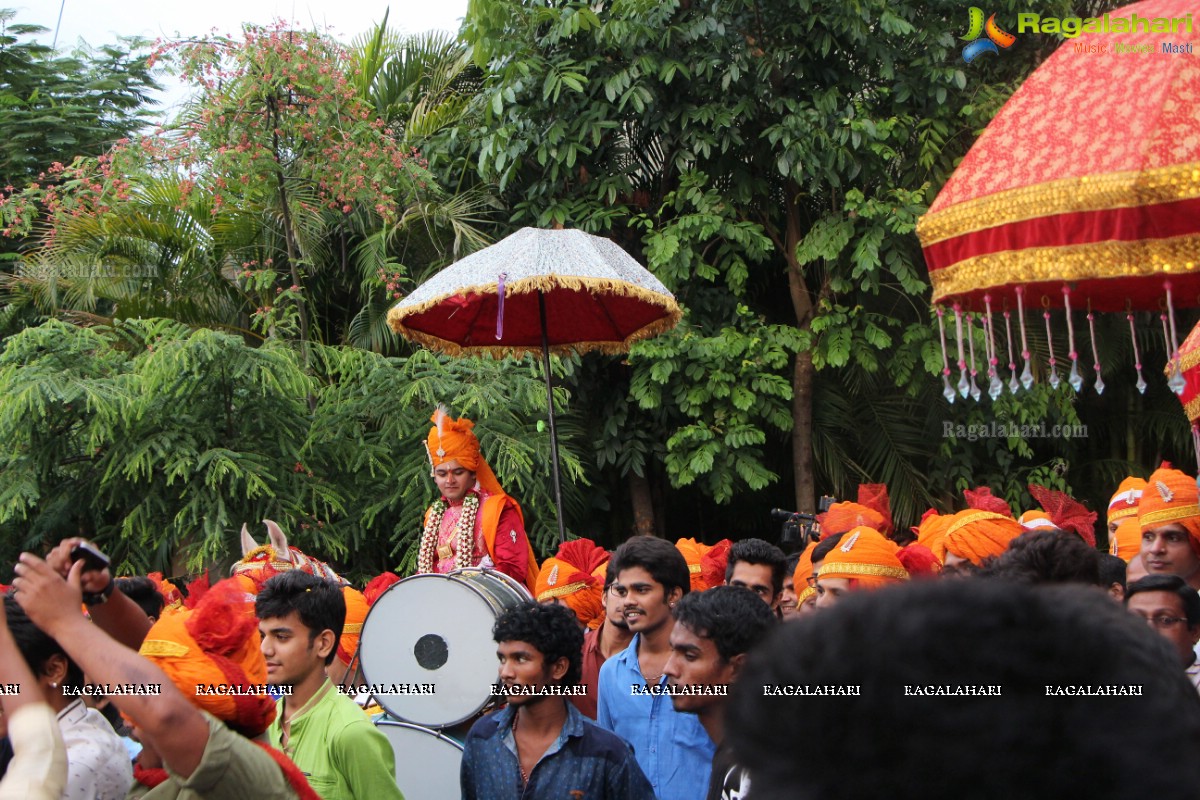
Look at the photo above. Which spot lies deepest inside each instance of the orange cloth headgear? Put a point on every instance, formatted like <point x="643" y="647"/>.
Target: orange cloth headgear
<point x="1126" y="541"/>
<point x="845" y="516"/>
<point x="453" y="440"/>
<point x="356" y="613"/>
<point x="932" y="529"/>
<point x="865" y="557"/>
<point x="976" y="535"/>
<point x="1036" y="520"/>
<point x="800" y="578"/>
<point x="216" y="642"/>
<point x="1124" y="502"/>
<point x="1170" y="498"/>
<point x="378" y="585"/>
<point x="575" y="574"/>
<point x="706" y="563"/>
<point x="172" y="597"/>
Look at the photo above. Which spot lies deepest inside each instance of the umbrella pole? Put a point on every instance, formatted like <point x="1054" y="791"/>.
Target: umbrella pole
<point x="562" y="534"/>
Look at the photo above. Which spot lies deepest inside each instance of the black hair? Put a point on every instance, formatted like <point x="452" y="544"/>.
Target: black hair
<point x="733" y="617"/>
<point x="659" y="557"/>
<point x="36" y="646"/>
<point x="789" y="566"/>
<point x="757" y="551"/>
<point x="824" y="546"/>
<point x="1046" y="557"/>
<point x="319" y="604"/>
<point x="144" y="592"/>
<point x="1173" y="584"/>
<point x="877" y="736"/>
<point x="551" y="629"/>
<point x="1112" y="570"/>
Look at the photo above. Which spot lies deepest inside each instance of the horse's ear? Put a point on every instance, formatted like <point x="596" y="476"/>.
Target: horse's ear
<point x="248" y="543"/>
<point x="278" y="540"/>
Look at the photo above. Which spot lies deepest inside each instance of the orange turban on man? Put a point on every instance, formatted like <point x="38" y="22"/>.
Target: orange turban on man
<point x="804" y="571"/>
<point x="1125" y="541"/>
<point x="932" y="529"/>
<point x="866" y="558"/>
<point x="575" y="575"/>
<point x="454" y="440"/>
<point x="706" y="563"/>
<point x="215" y="643"/>
<point x="976" y="535"/>
<point x="845" y="516"/>
<point x="1170" y="497"/>
<point x="356" y="614"/>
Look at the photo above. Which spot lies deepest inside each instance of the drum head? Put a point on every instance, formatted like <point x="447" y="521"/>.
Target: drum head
<point x="427" y="763"/>
<point x="427" y="650"/>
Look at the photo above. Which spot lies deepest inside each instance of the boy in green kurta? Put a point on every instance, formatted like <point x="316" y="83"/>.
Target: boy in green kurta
<point x="300" y="619"/>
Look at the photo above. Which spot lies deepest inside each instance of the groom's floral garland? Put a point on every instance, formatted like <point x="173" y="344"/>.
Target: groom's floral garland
<point x="464" y="534"/>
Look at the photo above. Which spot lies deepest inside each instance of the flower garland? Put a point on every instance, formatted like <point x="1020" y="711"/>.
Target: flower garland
<point x="464" y="534"/>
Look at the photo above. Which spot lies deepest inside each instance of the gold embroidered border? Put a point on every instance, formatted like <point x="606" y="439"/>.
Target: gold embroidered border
<point x="695" y="569"/>
<point x="1168" y="515"/>
<point x="1063" y="196"/>
<point x="1130" y="511"/>
<point x="1096" y="260"/>
<point x="976" y="517"/>
<point x="561" y="591"/>
<point x="161" y="648"/>
<point x="873" y="570"/>
<point x="1192" y="408"/>
<point x="352" y="627"/>
<point x="808" y="592"/>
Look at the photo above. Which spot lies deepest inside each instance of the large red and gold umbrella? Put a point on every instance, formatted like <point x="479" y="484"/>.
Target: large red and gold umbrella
<point x="1085" y="188"/>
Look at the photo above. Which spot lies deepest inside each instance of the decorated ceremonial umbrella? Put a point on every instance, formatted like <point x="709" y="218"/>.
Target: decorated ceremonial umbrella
<point x="1189" y="365"/>
<point x="1083" y="191"/>
<point x="547" y="291"/>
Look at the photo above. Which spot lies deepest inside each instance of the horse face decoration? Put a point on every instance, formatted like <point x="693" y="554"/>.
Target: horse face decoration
<point x="260" y="562"/>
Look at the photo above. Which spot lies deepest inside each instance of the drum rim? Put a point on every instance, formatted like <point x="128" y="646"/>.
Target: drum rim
<point x="436" y="732"/>
<point x="362" y="647"/>
<point x="504" y="578"/>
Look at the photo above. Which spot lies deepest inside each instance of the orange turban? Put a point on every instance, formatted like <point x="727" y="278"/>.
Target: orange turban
<point x="1036" y="520"/>
<point x="1170" y="497"/>
<point x="216" y="642"/>
<point x="356" y="613"/>
<point x="976" y="535"/>
<point x="172" y="597"/>
<point x="453" y="440"/>
<point x="804" y="570"/>
<point x="866" y="557"/>
<point x="1126" y="541"/>
<point x="931" y="530"/>
<point x="706" y="563"/>
<point x="1124" y="503"/>
<point x="844" y="516"/>
<point x="575" y="574"/>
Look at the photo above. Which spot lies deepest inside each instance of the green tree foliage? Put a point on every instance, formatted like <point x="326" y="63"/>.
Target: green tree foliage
<point x="769" y="157"/>
<point x="56" y="106"/>
<point x="160" y="441"/>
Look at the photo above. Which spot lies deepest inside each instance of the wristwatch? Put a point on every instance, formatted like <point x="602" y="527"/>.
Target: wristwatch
<point x="100" y="597"/>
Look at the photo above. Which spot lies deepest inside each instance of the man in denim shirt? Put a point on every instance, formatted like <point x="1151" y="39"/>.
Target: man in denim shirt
<point x="540" y="746"/>
<point x="673" y="749"/>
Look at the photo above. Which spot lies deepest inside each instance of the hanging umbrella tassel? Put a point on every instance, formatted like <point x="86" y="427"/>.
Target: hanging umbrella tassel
<point x="1137" y="359"/>
<point x="1013" y="383"/>
<point x="500" y="306"/>
<point x="1177" y="382"/>
<point x="1073" y="378"/>
<point x="975" y="393"/>
<point x="1091" y="318"/>
<point x="995" y="385"/>
<point x="1027" y="373"/>
<point x="948" y="390"/>
<point x="964" y="386"/>
<point x="1054" y="381"/>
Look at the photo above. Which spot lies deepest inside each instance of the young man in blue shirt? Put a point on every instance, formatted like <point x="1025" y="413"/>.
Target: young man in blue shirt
<point x="672" y="748"/>
<point x="540" y="746"/>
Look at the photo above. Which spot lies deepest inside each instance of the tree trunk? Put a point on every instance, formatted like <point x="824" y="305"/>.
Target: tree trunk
<point x="643" y="506"/>
<point x="804" y="372"/>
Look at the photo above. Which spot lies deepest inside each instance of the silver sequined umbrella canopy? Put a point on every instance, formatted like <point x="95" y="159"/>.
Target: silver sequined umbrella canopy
<point x="596" y="298"/>
<point x="547" y="291"/>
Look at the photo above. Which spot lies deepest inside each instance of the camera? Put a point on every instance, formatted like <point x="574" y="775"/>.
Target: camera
<point x="799" y="529"/>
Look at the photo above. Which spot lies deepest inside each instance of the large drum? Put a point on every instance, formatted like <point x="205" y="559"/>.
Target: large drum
<point x="427" y="762"/>
<point x="427" y="649"/>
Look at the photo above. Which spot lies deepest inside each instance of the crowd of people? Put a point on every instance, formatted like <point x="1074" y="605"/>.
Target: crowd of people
<point x="979" y="654"/>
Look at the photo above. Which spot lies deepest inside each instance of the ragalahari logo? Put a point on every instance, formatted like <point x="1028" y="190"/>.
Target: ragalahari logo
<point x="995" y="40"/>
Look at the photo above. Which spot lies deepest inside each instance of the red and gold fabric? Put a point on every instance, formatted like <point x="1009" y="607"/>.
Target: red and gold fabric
<point x="575" y="575"/>
<point x="706" y="563"/>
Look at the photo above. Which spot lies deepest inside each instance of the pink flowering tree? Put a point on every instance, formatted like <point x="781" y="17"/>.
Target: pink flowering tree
<point x="278" y="195"/>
